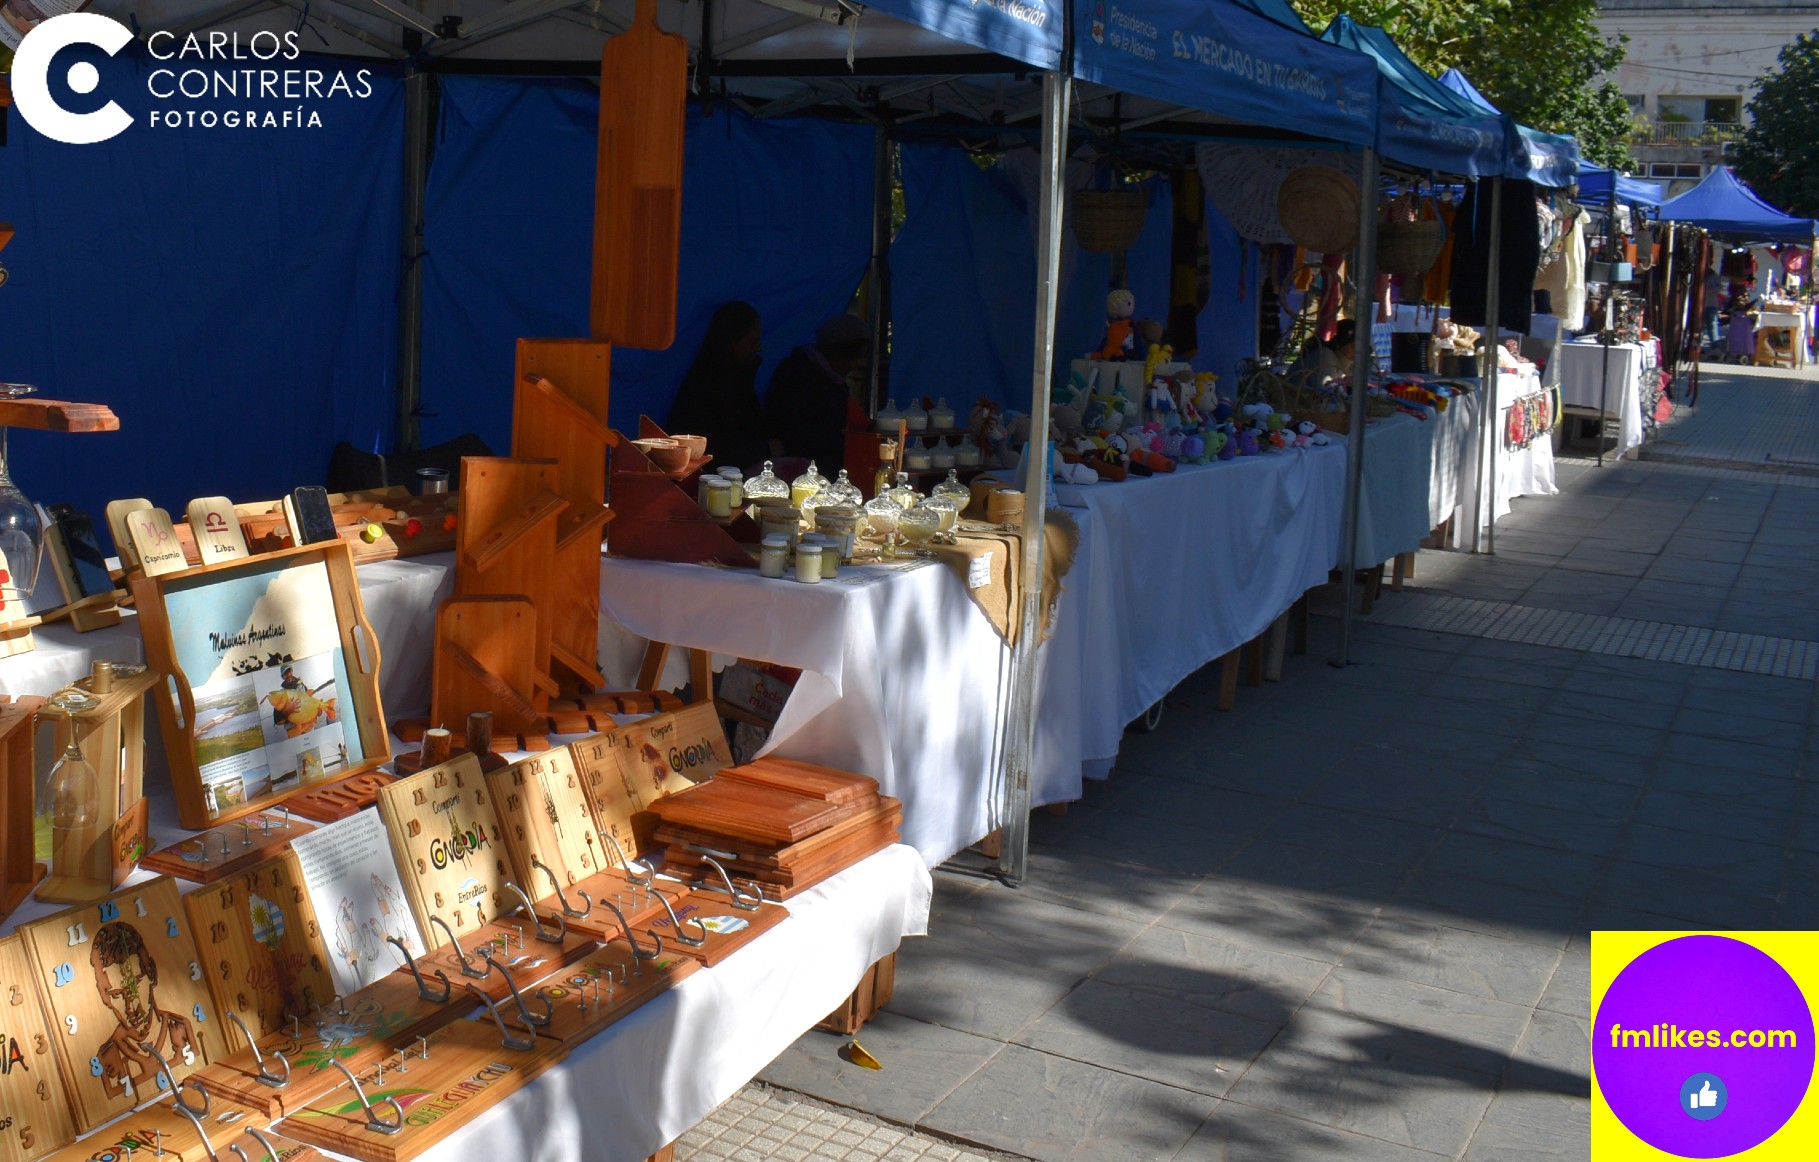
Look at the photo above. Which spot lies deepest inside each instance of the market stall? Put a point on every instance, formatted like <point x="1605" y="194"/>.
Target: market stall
<point x="1607" y="381"/>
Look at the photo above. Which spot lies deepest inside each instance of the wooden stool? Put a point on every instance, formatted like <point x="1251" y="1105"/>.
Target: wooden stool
<point x="1404" y="568"/>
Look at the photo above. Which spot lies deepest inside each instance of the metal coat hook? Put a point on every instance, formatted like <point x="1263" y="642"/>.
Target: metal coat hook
<point x="466" y="961"/>
<point x="265" y="1143"/>
<point x="644" y="881"/>
<point x="164" y="1067"/>
<point x="265" y="1076"/>
<point x="521" y="1044"/>
<point x="201" y="1132"/>
<point x="740" y="901"/>
<point x="543" y="934"/>
<point x="423" y="989"/>
<point x="681" y="936"/>
<point x="374" y="1122"/>
<point x="524" y="1011"/>
<point x="631" y="937"/>
<point x="567" y="910"/>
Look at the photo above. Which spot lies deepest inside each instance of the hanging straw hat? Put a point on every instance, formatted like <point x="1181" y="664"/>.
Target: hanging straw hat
<point x="1318" y="207"/>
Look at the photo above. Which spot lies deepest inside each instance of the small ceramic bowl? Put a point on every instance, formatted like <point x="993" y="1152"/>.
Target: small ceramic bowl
<point x="667" y="455"/>
<point x="696" y="445"/>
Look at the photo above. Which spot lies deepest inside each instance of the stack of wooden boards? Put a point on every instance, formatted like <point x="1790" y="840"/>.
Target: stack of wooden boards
<point x="782" y="824"/>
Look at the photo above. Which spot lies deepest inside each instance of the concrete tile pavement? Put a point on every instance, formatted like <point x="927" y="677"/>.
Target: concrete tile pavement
<point x="1349" y="919"/>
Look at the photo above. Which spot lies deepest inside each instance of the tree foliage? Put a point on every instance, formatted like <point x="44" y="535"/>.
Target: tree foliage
<point x="1779" y="156"/>
<point x="1534" y="59"/>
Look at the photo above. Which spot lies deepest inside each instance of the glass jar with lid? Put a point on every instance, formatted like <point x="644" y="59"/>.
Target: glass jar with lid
<point x="902" y="493"/>
<point x="808" y="559"/>
<point x="719" y="496"/>
<point x="776" y="519"/>
<point x="773" y="556"/>
<point x="967" y="454"/>
<point x="947" y="506"/>
<point x="767" y="485"/>
<point x="917" y="457"/>
<point x="886" y="419"/>
<point x="961" y="494"/>
<point x="914" y="418"/>
<point x="941" y="417"/>
<point x="941" y="456"/>
<point x="806" y="485"/>
<point x="845" y="491"/>
<point x="839" y="523"/>
<point x="737" y="479"/>
<point x="919" y="525"/>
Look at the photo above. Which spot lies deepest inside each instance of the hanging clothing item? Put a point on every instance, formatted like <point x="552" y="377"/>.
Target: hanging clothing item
<point x="1439" y="276"/>
<point x="1564" y="280"/>
<point x="1521" y="255"/>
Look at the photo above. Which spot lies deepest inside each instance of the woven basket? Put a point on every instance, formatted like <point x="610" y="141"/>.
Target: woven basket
<point x="1409" y="248"/>
<point x="1318" y="208"/>
<point x="1108" y="221"/>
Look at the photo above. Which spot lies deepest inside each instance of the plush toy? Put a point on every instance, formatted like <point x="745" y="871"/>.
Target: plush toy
<point x="1065" y="424"/>
<point x="1247" y="443"/>
<point x="1160" y="400"/>
<point x="1120" y="331"/>
<point x="1154" y="461"/>
<point x="1158" y="351"/>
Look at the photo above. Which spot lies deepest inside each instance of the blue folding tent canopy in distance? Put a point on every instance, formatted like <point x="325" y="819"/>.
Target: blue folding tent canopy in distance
<point x="1027" y="30"/>
<point x="1422" y="122"/>
<point x="1595" y="188"/>
<point x="1724" y="205"/>
<point x="1223" y="57"/>
<point x="1547" y="159"/>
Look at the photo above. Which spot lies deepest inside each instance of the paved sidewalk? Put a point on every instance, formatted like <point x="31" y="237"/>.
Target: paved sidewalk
<point x="1764" y="416"/>
<point x="1349" y="919"/>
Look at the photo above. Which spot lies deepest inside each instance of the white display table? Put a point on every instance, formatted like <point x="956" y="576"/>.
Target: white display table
<point x="1582" y="384"/>
<point x="1794" y="320"/>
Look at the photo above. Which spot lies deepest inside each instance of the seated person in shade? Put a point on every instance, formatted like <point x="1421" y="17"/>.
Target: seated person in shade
<point x="1331" y="358"/>
<point x="809" y="404"/>
<point x="719" y="395"/>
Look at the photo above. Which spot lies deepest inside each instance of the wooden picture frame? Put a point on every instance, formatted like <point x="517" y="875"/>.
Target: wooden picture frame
<point x="36" y="1107"/>
<point x="262" y="950"/>
<point x="113" y="975"/>
<point x="249" y="646"/>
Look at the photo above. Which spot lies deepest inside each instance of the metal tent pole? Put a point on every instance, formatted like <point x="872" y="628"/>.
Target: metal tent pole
<point x="1610" y="319"/>
<point x="1020" y="743"/>
<point x="880" y="305"/>
<point x="1486" y="516"/>
<point x="1361" y="372"/>
<point x="410" y="298"/>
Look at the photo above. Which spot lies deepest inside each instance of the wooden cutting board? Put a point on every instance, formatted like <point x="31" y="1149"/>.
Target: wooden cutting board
<point x="825" y="783"/>
<point x="746" y="811"/>
<point x="638" y="184"/>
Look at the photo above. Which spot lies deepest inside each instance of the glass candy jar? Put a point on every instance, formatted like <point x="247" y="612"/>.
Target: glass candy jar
<point x="806" y="485"/>
<point x="767" y="485"/>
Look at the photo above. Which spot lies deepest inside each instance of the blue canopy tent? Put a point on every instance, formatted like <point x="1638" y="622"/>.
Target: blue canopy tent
<point x="1547" y="159"/>
<point x="1724" y="205"/>
<point x="1423" y="123"/>
<point x="1595" y="183"/>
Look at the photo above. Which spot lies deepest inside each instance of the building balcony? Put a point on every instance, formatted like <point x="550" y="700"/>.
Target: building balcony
<point x="1644" y="132"/>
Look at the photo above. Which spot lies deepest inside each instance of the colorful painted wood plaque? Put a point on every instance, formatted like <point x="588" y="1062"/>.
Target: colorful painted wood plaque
<point x="465" y="1070"/>
<point x="116" y="976"/>
<point x="158" y="1133"/>
<point x="262" y="949"/>
<point x="216" y="528"/>
<point x="721" y="928"/>
<point x="603" y="987"/>
<point x="451" y="857"/>
<point x="375" y="1024"/>
<point x="34" y="1109"/>
<point x="229" y="848"/>
<point x="155" y="541"/>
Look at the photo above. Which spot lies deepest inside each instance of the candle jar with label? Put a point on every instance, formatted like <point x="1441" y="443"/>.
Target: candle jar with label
<point x="839" y="523"/>
<point x="773" y="557"/>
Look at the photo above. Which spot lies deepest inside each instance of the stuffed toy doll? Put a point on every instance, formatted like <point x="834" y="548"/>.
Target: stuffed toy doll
<point x="1247" y="443"/>
<point x="1120" y="330"/>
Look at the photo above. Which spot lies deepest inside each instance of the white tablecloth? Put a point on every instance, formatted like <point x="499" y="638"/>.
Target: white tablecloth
<point x="903" y="679"/>
<point x="1582" y="384"/>
<point x="1180" y="569"/>
<point x="1395" y="500"/>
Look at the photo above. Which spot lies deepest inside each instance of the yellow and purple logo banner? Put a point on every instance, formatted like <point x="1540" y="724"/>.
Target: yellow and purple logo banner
<point x="1703" y="1045"/>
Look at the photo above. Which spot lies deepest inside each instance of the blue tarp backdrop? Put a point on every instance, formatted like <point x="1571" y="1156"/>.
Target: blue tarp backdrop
<point x="230" y="293"/>
<point x="774" y="212"/>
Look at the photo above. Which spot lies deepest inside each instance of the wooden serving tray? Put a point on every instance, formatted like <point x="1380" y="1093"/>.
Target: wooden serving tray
<point x="746" y="811"/>
<point x="825" y="783"/>
<point x="581" y="1009"/>
<point x="383" y="1019"/>
<point x="466" y="1073"/>
<point x="248" y="840"/>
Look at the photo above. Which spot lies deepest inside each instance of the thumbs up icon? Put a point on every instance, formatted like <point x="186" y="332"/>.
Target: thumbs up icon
<point x="1705" y="1098"/>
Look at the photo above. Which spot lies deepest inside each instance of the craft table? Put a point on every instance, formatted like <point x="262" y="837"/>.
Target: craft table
<point x="903" y="678"/>
<point x="1180" y="569"/>
<point x="1794" y="320"/>
<point x="1395" y="501"/>
<point x="1582" y="382"/>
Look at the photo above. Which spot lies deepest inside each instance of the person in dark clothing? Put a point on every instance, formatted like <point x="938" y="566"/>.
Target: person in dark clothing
<point x="809" y="402"/>
<point x="719" y="395"/>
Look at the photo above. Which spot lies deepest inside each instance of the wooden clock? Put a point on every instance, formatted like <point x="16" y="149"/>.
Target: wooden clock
<point x="451" y="855"/>
<point x="262" y="950"/>
<point x="34" y="1109"/>
<point x="115" y="976"/>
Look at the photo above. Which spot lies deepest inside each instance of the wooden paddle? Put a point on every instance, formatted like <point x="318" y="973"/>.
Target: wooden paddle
<point x="638" y="185"/>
